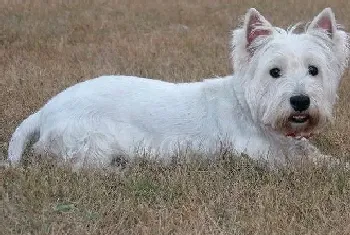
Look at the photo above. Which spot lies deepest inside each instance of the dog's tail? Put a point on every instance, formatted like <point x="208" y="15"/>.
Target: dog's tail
<point x="22" y="135"/>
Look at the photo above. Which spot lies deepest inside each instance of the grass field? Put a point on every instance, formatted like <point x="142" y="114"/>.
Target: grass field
<point x="46" y="46"/>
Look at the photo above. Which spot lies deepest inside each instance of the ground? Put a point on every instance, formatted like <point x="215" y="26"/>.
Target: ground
<point x="46" y="46"/>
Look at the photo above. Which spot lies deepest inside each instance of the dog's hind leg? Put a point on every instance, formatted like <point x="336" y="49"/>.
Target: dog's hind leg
<point x="89" y="150"/>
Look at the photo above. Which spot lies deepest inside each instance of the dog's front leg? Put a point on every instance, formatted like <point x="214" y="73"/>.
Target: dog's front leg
<point x="319" y="159"/>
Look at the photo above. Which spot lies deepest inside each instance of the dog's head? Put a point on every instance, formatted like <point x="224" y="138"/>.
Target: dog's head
<point x="290" y="80"/>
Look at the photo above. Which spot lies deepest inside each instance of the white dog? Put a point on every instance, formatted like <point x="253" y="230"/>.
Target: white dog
<point x="283" y="90"/>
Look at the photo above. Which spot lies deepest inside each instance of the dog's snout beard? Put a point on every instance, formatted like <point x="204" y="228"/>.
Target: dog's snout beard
<point x="297" y="124"/>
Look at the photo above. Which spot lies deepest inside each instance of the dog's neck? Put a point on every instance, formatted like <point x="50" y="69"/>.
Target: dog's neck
<point x="225" y="99"/>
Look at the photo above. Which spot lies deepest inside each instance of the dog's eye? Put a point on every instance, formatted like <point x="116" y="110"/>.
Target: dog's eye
<point x="313" y="70"/>
<point x="275" y="73"/>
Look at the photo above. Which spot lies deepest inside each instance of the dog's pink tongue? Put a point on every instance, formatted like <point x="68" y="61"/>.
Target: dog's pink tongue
<point x="305" y="135"/>
<point x="291" y="134"/>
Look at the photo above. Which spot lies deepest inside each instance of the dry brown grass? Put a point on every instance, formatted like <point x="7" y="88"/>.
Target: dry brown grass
<point x="46" y="46"/>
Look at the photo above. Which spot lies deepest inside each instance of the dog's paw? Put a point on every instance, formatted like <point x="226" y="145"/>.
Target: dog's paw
<point x="322" y="160"/>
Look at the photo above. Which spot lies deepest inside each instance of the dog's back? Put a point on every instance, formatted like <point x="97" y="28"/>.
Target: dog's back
<point x="109" y="115"/>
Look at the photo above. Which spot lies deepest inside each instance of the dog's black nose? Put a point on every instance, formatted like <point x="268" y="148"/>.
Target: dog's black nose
<point x="300" y="102"/>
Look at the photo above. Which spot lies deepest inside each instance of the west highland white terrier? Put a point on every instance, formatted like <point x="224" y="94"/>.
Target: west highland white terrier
<point x="282" y="91"/>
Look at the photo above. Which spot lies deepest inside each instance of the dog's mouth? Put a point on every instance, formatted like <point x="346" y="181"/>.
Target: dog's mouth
<point x="299" y="118"/>
<point x="298" y="123"/>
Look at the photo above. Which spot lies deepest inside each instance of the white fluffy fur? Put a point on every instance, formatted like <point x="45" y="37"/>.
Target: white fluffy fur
<point x="98" y="119"/>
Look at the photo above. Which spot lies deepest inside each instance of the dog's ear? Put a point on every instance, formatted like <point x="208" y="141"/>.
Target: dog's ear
<point x="249" y="37"/>
<point x="324" y="21"/>
<point x="255" y="26"/>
